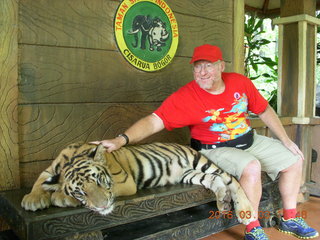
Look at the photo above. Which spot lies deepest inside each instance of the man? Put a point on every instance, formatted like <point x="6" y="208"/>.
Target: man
<point x="215" y="106"/>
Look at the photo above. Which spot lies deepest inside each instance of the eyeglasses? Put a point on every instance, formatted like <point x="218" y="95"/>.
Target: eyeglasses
<point x="208" y="67"/>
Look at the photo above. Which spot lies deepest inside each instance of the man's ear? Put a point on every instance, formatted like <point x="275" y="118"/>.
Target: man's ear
<point x="100" y="154"/>
<point x="223" y="66"/>
<point x="52" y="183"/>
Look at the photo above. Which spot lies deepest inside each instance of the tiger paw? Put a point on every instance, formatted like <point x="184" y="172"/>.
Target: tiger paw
<point x="223" y="199"/>
<point x="244" y="211"/>
<point x="36" y="201"/>
<point x="223" y="206"/>
<point x="59" y="199"/>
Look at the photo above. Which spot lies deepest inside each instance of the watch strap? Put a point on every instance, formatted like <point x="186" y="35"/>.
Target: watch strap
<point x="125" y="137"/>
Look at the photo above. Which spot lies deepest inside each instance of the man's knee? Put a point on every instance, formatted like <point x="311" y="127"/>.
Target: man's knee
<point x="296" y="167"/>
<point x="252" y="171"/>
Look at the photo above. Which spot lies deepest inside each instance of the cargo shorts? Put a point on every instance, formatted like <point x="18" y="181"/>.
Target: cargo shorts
<point x="271" y="153"/>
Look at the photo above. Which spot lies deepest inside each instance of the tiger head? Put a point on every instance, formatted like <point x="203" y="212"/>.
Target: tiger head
<point x="86" y="178"/>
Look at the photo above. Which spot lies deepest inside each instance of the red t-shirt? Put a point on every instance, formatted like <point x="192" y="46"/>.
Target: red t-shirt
<point x="213" y="118"/>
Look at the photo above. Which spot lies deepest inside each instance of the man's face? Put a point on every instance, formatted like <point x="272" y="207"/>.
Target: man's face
<point x="208" y="74"/>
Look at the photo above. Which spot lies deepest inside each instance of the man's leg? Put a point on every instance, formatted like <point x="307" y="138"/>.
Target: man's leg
<point x="247" y="169"/>
<point x="289" y="185"/>
<point x="250" y="181"/>
<point x="244" y="166"/>
<point x="275" y="158"/>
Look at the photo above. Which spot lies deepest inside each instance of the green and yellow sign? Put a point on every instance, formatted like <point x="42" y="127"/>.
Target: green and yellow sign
<point x="146" y="33"/>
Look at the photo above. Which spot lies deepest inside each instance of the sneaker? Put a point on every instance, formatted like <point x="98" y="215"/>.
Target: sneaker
<point x="256" y="233"/>
<point x="297" y="227"/>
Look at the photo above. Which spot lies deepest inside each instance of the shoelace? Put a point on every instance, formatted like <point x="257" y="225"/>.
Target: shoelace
<point x="301" y="222"/>
<point x="260" y="234"/>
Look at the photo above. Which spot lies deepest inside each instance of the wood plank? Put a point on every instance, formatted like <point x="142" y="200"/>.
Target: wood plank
<point x="65" y="75"/>
<point x="280" y="74"/>
<point x="267" y="132"/>
<point x="9" y="152"/>
<point x="238" y="36"/>
<point x="313" y="189"/>
<point x="297" y="18"/>
<point x="68" y="23"/>
<point x="304" y="133"/>
<point x="306" y="146"/>
<point x="30" y="171"/>
<point x="256" y="122"/>
<point x="61" y="75"/>
<point x="296" y="7"/>
<point x="315" y="121"/>
<point x="219" y="10"/>
<point x="261" y="131"/>
<point x="79" y="24"/>
<point x="195" y="31"/>
<point x="290" y="130"/>
<point x="302" y="65"/>
<point x="289" y="78"/>
<point x="310" y="102"/>
<point x="47" y="128"/>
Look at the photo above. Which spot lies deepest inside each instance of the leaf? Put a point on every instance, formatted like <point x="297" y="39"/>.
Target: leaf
<point x="264" y="42"/>
<point x="266" y="75"/>
<point x="258" y="25"/>
<point x="255" y="67"/>
<point x="254" y="78"/>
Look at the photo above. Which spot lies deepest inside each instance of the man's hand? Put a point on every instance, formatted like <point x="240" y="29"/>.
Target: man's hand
<point x="293" y="148"/>
<point x="111" y="144"/>
<point x="143" y="128"/>
<point x="270" y="118"/>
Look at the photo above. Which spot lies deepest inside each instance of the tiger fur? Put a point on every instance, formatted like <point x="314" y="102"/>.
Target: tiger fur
<point x="87" y="174"/>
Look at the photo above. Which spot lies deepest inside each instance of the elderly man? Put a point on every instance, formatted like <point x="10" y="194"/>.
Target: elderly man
<point x="215" y="107"/>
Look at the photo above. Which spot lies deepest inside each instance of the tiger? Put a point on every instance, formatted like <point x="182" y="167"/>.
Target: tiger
<point x="88" y="175"/>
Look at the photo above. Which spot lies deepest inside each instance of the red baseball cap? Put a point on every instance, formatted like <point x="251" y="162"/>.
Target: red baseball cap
<point x="206" y="52"/>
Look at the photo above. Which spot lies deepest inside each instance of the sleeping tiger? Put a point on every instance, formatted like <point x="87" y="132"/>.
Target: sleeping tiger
<point x="87" y="174"/>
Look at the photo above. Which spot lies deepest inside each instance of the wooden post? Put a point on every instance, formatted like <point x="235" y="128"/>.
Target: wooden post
<point x="297" y="57"/>
<point x="9" y="151"/>
<point x="296" y="91"/>
<point x="238" y="36"/>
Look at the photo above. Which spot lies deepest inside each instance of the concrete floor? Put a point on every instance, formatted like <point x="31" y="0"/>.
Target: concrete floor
<point x="310" y="209"/>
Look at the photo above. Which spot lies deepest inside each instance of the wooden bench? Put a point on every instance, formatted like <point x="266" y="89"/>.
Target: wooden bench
<point x="172" y="212"/>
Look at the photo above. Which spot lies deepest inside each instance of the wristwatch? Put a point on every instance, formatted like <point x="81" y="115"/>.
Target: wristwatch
<point x="125" y="137"/>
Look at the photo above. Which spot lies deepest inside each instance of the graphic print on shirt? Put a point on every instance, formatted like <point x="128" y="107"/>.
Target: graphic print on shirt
<point x="230" y="124"/>
<point x="214" y="115"/>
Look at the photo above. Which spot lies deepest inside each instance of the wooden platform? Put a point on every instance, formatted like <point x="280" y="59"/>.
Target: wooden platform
<point x="173" y="212"/>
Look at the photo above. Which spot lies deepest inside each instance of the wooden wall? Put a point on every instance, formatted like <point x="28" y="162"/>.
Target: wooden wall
<point x="74" y="85"/>
<point x="9" y="157"/>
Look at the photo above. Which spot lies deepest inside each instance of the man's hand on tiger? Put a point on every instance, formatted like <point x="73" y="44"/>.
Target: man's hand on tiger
<point x="111" y="144"/>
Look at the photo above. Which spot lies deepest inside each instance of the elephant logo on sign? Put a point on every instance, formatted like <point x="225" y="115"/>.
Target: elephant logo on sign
<point x="152" y="29"/>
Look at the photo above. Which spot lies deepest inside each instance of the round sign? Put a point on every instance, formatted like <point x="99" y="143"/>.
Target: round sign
<point x="146" y="33"/>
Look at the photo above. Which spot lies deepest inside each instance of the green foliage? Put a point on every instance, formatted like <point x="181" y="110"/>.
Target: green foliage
<point x="255" y="62"/>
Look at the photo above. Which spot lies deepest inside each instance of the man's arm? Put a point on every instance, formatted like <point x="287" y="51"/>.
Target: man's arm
<point x="270" y="118"/>
<point x="140" y="130"/>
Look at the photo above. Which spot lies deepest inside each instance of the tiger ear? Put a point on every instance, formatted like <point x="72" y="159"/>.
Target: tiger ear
<point x="52" y="183"/>
<point x="100" y="154"/>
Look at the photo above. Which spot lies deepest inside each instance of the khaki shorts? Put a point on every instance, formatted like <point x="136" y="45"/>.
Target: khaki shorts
<point x="271" y="153"/>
